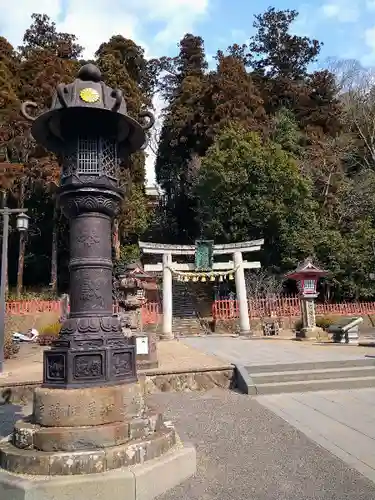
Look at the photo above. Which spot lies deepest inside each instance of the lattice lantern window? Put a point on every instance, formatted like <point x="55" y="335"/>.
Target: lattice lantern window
<point x="90" y="158"/>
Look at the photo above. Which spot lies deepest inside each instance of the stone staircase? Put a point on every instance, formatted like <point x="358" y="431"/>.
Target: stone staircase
<point x="185" y="318"/>
<point x="313" y="376"/>
<point x="201" y="294"/>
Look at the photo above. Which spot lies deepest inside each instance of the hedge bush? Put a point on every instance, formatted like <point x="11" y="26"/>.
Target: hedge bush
<point x="49" y="333"/>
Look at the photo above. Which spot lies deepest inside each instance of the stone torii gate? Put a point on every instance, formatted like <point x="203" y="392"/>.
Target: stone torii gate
<point x="237" y="266"/>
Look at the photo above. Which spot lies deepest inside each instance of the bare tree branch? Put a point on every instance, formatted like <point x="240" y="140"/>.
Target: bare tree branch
<point x="260" y="284"/>
<point x="356" y="88"/>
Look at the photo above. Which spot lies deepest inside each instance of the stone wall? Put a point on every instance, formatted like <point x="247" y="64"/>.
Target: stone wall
<point x="151" y="383"/>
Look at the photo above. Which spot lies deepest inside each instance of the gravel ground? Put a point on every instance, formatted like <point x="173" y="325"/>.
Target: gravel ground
<point x="245" y="452"/>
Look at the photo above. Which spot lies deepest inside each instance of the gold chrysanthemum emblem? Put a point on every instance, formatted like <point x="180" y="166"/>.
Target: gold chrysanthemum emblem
<point x="89" y="95"/>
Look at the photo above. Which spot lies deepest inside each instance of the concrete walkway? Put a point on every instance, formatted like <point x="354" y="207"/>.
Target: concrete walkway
<point x="343" y="422"/>
<point x="248" y="352"/>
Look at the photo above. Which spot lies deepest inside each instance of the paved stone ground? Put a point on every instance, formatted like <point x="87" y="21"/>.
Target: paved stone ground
<point x="343" y="422"/>
<point x="249" y="352"/>
<point x="246" y="452"/>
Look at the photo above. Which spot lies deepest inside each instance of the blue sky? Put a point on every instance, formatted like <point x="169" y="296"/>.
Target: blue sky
<point x="347" y="27"/>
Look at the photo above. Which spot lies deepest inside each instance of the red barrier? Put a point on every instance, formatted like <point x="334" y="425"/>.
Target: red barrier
<point x="283" y="306"/>
<point x="32" y="306"/>
<point x="287" y="307"/>
<point x="150" y="313"/>
<point x="150" y="310"/>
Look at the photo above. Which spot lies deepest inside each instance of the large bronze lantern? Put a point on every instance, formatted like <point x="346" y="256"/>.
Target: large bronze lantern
<point x="91" y="432"/>
<point x="88" y="128"/>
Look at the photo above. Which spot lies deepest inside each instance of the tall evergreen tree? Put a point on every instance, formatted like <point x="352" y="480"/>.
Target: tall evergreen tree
<point x="275" y="52"/>
<point x="124" y="66"/>
<point x="181" y="136"/>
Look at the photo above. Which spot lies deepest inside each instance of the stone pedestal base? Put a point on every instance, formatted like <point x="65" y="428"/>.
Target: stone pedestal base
<point x="140" y="482"/>
<point x="85" y="432"/>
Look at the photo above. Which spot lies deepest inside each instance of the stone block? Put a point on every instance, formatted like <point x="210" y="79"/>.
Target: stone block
<point x="139" y="428"/>
<point x="158" y="476"/>
<point x="23" y="434"/>
<point x="19" y="461"/>
<point x="122" y="456"/>
<point x="140" y="482"/>
<point x="81" y="438"/>
<point x="116" y="485"/>
<point x="35" y="462"/>
<point x="85" y="407"/>
<point x="77" y="463"/>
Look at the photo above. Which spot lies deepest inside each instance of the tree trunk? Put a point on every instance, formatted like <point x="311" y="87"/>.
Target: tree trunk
<point x="21" y="262"/>
<point x="53" y="280"/>
<point x="22" y="247"/>
<point x="3" y="205"/>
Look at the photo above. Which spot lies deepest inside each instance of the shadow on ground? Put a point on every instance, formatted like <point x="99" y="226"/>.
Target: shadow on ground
<point x="9" y="413"/>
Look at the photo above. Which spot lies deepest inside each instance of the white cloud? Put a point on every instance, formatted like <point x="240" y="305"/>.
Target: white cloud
<point x="96" y="21"/>
<point x="344" y="11"/>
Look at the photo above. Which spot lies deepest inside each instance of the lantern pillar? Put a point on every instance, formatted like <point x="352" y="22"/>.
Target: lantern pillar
<point x="309" y="328"/>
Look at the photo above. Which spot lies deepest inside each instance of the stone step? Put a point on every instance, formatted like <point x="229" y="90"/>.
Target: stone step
<point x="316" y="385"/>
<point x="304" y="375"/>
<point x="186" y="326"/>
<point x="310" y="365"/>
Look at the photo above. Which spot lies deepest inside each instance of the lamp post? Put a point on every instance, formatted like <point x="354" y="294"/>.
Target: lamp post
<point x="307" y="276"/>
<point x="22" y="226"/>
<point x="89" y="416"/>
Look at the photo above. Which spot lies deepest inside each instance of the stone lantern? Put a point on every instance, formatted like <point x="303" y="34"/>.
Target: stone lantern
<point x="90" y="422"/>
<point x="132" y="286"/>
<point x="307" y="276"/>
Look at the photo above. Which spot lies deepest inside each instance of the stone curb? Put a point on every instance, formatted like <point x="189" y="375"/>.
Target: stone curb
<point x="139" y="482"/>
<point x="243" y="381"/>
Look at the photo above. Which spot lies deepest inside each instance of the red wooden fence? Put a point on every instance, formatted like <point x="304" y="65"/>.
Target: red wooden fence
<point x="221" y="309"/>
<point x="287" y="307"/>
<point x="32" y="306"/>
<point x="150" y="311"/>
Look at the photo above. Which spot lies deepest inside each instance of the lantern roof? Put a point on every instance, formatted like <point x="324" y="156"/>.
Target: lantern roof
<point x="135" y="270"/>
<point x="136" y="276"/>
<point x="89" y="107"/>
<point x="305" y="270"/>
